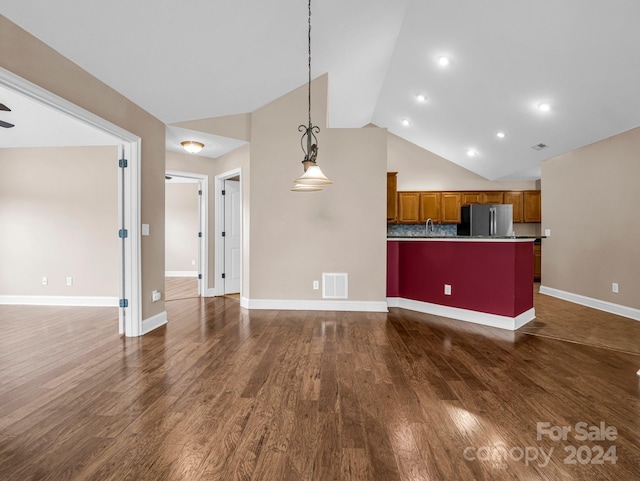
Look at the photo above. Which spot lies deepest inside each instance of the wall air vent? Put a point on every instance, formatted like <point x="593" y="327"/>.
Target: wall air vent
<point x="539" y="146"/>
<point x="334" y="285"/>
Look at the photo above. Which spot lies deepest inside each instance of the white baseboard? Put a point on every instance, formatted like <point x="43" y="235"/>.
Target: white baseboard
<point x="210" y="292"/>
<point x="154" y="322"/>
<point x="181" y="273"/>
<point x="493" y="320"/>
<point x="313" y="305"/>
<point x="78" y="301"/>
<point x="605" y="306"/>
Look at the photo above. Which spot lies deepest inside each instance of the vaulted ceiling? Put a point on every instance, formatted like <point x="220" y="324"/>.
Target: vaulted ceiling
<point x="208" y="58"/>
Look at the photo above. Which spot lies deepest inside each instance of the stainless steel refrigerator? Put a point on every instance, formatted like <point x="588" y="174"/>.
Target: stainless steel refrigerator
<point x="489" y="220"/>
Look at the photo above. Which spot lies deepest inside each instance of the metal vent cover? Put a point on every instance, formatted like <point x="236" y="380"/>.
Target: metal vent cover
<point x="335" y="285"/>
<point x="539" y="146"/>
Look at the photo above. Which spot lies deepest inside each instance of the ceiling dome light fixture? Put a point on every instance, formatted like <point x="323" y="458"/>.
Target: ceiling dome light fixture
<point x="192" y="146"/>
<point x="406" y="122"/>
<point x="472" y="153"/>
<point x="313" y="179"/>
<point x="501" y="135"/>
<point x="421" y="98"/>
<point x="544" y="107"/>
<point x="444" y="61"/>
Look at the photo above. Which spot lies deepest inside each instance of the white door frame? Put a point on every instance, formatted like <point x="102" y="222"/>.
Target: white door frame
<point x="219" y="228"/>
<point x="203" y="212"/>
<point x="130" y="317"/>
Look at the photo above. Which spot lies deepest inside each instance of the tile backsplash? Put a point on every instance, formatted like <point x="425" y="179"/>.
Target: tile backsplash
<point x="412" y="230"/>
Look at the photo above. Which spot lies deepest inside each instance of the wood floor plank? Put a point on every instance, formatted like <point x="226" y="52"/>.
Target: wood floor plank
<point x="222" y="393"/>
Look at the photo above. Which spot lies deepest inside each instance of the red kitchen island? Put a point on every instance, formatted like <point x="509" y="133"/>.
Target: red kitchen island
<point x="475" y="279"/>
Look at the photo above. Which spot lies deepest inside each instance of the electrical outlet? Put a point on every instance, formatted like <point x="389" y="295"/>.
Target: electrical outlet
<point x="447" y="290"/>
<point x="45" y="281"/>
<point x="155" y="296"/>
<point x="547" y="232"/>
<point x="193" y="262"/>
<point x="316" y="285"/>
<point x="614" y="287"/>
<point x="69" y="281"/>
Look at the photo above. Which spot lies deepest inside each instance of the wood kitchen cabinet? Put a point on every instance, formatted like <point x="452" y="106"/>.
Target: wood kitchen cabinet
<point x="537" y="262"/>
<point x="516" y="199"/>
<point x="450" y="207"/>
<point x="470" y="198"/>
<point x="430" y="206"/>
<point x="493" y="197"/>
<point x="532" y="211"/>
<point x="409" y="207"/>
<point x="392" y="196"/>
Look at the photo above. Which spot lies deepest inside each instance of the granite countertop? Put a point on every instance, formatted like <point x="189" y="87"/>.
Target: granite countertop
<point x="462" y="237"/>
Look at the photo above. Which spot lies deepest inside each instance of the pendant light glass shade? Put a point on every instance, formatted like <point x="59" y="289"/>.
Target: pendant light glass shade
<point x="306" y="188"/>
<point x="313" y="176"/>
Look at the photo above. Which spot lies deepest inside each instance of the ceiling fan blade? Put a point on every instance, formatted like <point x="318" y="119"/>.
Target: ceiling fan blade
<point x="5" y="108"/>
<point x="6" y="125"/>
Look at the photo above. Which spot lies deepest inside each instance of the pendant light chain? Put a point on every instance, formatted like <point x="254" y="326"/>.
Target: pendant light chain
<point x="309" y="63"/>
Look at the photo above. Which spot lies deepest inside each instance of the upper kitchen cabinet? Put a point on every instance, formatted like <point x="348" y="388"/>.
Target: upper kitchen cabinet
<point x="516" y="199"/>
<point x="494" y="197"/>
<point x="409" y="207"/>
<point x="392" y="196"/>
<point x="450" y="207"/>
<point x="470" y="198"/>
<point x="430" y="206"/>
<point x="532" y="208"/>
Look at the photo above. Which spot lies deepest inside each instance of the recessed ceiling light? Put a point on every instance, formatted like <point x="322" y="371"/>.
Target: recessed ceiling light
<point x="501" y="135"/>
<point x="544" y="107"/>
<point x="421" y="98"/>
<point x="406" y="122"/>
<point x="444" y="61"/>
<point x="471" y="153"/>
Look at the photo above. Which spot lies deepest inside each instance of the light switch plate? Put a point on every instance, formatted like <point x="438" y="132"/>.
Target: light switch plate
<point x="447" y="290"/>
<point x="145" y="229"/>
<point x="547" y="232"/>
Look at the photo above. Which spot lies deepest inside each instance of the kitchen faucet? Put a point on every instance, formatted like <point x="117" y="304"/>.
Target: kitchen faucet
<point x="429" y="226"/>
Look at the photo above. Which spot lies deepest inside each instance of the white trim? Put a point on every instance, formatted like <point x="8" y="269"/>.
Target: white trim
<point x="605" y="306"/>
<point x="154" y="322"/>
<point x="203" y="212"/>
<point x="181" y="273"/>
<point x="218" y="284"/>
<point x="313" y="305"/>
<point x="493" y="320"/>
<point x="210" y="292"/>
<point x="131" y="316"/>
<point x="80" y="301"/>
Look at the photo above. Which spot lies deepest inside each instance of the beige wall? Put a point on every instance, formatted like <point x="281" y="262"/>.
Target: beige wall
<point x="182" y="225"/>
<point x="295" y="237"/>
<point x="419" y="169"/>
<point x="590" y="200"/>
<point x="239" y="158"/>
<point x="27" y="57"/>
<point x="59" y="219"/>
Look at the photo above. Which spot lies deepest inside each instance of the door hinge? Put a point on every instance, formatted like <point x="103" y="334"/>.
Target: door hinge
<point x="199" y="276"/>
<point x="200" y="192"/>
<point x="199" y="234"/>
<point x="123" y="233"/>
<point x="224" y="192"/>
<point x="223" y="276"/>
<point x="224" y="234"/>
<point x="124" y="302"/>
<point x="123" y="163"/>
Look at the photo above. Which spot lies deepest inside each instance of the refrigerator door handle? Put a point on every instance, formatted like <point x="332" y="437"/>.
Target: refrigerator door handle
<point x="492" y="221"/>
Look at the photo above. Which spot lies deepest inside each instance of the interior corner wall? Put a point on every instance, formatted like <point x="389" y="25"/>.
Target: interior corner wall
<point x="59" y="219"/>
<point x="26" y="56"/>
<point x="238" y="158"/>
<point x="295" y="237"/>
<point x="590" y="200"/>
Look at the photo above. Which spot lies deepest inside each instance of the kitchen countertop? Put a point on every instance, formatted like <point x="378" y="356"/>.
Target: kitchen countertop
<point x="466" y="238"/>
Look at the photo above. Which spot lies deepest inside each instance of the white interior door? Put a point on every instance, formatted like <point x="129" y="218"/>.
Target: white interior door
<point x="232" y="236"/>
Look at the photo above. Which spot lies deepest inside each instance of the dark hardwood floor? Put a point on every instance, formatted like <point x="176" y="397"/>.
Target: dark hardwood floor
<point x="180" y="288"/>
<point x="223" y="393"/>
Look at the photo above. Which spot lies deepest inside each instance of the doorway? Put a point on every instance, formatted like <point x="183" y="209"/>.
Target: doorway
<point x="229" y="239"/>
<point x="186" y="234"/>
<point x="128" y="163"/>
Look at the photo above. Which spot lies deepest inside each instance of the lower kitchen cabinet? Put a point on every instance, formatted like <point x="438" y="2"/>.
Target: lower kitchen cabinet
<point x="537" y="262"/>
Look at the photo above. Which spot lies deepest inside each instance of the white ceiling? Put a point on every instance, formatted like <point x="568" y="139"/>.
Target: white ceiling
<point x="207" y="58"/>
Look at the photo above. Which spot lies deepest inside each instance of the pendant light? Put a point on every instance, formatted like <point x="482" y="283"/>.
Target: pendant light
<point x="313" y="179"/>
